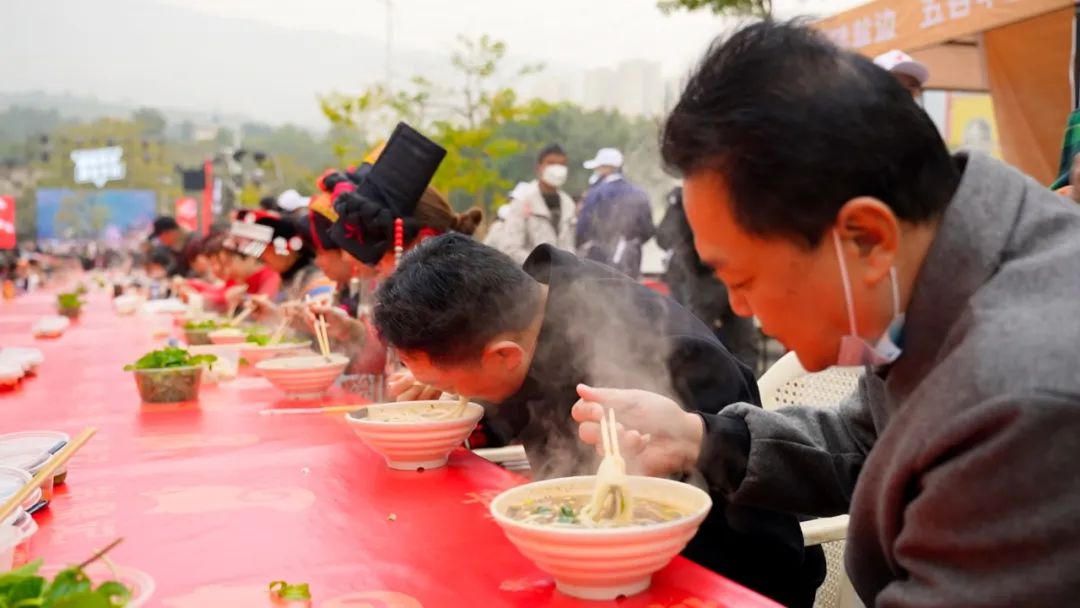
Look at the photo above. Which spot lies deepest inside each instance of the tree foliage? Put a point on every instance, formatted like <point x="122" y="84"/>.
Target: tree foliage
<point x="468" y="121"/>
<point x="759" y="8"/>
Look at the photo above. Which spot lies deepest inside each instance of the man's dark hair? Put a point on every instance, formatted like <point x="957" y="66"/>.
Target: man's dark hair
<point x="797" y="127"/>
<point x="164" y="257"/>
<point x="450" y="296"/>
<point x="549" y="150"/>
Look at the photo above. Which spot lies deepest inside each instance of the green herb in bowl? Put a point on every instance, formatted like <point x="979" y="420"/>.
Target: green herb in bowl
<point x="207" y="324"/>
<point x="283" y="593"/>
<point x="27" y="587"/>
<point x="69" y="305"/>
<point x="169" y="375"/>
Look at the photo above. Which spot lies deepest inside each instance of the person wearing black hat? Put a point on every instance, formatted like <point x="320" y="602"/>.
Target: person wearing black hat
<point x="372" y="200"/>
<point x="168" y="233"/>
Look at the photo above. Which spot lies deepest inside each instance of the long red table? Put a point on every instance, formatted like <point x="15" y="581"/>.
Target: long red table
<point x="214" y="501"/>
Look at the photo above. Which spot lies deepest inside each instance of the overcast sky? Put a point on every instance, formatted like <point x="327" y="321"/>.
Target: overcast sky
<point x="589" y="33"/>
<point x="271" y="59"/>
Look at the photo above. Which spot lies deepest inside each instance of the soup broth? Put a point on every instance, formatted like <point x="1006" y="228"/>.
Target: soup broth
<point x="565" y="511"/>
<point x="420" y="413"/>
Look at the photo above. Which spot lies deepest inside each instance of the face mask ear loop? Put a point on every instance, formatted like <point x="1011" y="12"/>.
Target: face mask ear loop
<point x="847" y="284"/>
<point x="895" y="292"/>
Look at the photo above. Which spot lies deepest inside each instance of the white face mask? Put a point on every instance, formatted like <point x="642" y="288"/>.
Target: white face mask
<point x="595" y="177"/>
<point x="854" y="350"/>
<point x="554" y="175"/>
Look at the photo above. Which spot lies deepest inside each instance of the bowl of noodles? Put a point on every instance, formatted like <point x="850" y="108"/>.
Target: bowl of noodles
<point x="600" y="561"/>
<point x="415" y="435"/>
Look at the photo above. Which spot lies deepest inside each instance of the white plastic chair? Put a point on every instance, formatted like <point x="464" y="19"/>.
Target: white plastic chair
<point x="788" y="383"/>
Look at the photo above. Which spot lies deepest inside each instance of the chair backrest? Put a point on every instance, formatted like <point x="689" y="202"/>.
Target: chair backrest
<point x="787" y="383"/>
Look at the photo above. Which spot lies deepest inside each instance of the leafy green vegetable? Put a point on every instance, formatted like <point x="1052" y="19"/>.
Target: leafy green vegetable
<point x="286" y="591"/>
<point x="567" y="515"/>
<point x="542" y="509"/>
<point x="68" y="300"/>
<point x="70" y="588"/>
<point x="170" y="356"/>
<point x="259" y="339"/>
<point x="207" y="324"/>
<point x="80" y="289"/>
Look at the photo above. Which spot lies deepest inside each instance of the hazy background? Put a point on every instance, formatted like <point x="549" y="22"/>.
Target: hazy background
<point x="267" y="60"/>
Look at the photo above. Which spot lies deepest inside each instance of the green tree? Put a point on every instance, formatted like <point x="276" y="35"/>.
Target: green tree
<point x="152" y="121"/>
<point x="467" y="120"/>
<point x="760" y="8"/>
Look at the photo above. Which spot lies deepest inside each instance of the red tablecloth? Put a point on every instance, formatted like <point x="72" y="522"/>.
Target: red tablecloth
<point x="215" y="501"/>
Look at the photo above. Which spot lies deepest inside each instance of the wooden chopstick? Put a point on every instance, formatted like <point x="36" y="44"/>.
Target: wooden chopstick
<point x="279" y="332"/>
<point x="248" y="309"/>
<point x="332" y="409"/>
<point x="46" y="471"/>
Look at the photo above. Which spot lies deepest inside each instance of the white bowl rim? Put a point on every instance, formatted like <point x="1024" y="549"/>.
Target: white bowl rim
<point x="273" y="347"/>
<point x="399" y="424"/>
<point x="276" y="363"/>
<point x="503" y="520"/>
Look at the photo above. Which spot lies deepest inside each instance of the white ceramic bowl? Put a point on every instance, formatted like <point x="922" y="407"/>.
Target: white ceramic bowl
<point x="414" y="444"/>
<point x="140" y="583"/>
<point x="255" y="354"/>
<point x="227" y="335"/>
<point x="303" y="377"/>
<point x="603" y="563"/>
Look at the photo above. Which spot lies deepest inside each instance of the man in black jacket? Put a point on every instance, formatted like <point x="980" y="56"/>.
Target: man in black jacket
<point x="467" y="320"/>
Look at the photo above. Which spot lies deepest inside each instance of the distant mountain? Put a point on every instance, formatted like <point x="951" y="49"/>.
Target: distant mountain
<point x="81" y="108"/>
<point x="142" y="53"/>
<point x="171" y="57"/>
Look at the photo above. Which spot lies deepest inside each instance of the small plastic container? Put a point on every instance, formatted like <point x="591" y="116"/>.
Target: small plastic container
<point x="11" y="479"/>
<point x="25" y="525"/>
<point x="169" y="385"/>
<point x="197" y="337"/>
<point x="227" y="365"/>
<point x="10" y="539"/>
<point x="30" y="450"/>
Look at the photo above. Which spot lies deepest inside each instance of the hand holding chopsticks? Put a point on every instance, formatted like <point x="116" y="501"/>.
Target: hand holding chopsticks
<point x="324" y="339"/>
<point x="46" y="471"/>
<point x="248" y="309"/>
<point x="611" y="498"/>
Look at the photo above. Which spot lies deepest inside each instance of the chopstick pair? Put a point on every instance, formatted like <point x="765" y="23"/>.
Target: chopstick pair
<point x="46" y="471"/>
<point x="248" y="309"/>
<point x="322" y="336"/>
<point x="331" y="409"/>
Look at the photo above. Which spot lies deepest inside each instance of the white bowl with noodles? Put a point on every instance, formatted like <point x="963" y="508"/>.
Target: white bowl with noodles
<point x="414" y="435"/>
<point x="601" y="563"/>
<point x="303" y="377"/>
<point x="254" y="354"/>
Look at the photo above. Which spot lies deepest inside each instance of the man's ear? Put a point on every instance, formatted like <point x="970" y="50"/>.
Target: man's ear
<point x="874" y="229"/>
<point x="504" y="354"/>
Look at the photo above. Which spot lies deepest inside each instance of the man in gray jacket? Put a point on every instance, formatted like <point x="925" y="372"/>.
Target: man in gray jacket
<point x="826" y="201"/>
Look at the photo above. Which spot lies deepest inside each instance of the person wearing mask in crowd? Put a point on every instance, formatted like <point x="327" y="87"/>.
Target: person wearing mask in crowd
<point x="616" y="219"/>
<point x="906" y="70"/>
<point x="539" y="211"/>
<point x="170" y="234"/>
<point x="468" y="320"/>
<point x="694" y="286"/>
<point x="951" y="279"/>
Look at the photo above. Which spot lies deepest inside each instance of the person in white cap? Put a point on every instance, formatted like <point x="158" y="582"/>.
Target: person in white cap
<point x="616" y="218"/>
<point x="912" y="74"/>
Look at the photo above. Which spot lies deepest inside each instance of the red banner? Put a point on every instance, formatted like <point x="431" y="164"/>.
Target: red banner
<point x="7" y="222"/>
<point x="187" y="213"/>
